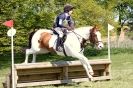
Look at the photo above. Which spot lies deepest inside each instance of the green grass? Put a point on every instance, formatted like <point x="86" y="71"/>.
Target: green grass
<point x="122" y="68"/>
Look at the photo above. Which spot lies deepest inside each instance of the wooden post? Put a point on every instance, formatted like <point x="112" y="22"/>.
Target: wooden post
<point x="65" y="73"/>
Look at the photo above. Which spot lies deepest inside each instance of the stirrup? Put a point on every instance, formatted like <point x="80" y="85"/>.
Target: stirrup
<point x="60" y="48"/>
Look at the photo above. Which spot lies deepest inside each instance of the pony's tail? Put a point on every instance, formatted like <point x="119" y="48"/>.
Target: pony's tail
<point x="30" y="37"/>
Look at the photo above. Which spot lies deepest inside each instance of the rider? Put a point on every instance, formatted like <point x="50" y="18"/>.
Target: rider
<point x="64" y="22"/>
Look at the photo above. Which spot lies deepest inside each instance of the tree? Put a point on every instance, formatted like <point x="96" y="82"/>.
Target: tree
<point x="124" y="8"/>
<point x="34" y="14"/>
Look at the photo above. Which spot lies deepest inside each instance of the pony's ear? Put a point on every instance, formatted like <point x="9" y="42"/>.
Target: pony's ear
<point x="96" y="28"/>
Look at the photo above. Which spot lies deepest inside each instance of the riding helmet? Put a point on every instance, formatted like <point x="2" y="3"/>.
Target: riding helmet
<point x="68" y="8"/>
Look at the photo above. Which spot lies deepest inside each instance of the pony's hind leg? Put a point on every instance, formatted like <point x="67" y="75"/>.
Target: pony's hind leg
<point x="27" y="53"/>
<point x="42" y="51"/>
<point x="34" y="58"/>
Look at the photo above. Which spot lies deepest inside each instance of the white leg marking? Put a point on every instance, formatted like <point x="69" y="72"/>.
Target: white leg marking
<point x="28" y="52"/>
<point x="83" y="60"/>
<point x="34" y="58"/>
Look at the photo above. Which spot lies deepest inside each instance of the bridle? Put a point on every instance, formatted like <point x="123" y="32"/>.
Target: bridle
<point x="84" y="42"/>
<point x="93" y="39"/>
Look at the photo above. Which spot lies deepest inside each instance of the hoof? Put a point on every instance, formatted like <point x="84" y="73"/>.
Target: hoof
<point x="92" y="79"/>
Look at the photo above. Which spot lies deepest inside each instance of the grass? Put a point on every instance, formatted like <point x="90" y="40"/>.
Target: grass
<point x="122" y="68"/>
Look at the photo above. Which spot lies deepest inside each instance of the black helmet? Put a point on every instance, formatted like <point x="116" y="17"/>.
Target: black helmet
<point x="68" y="8"/>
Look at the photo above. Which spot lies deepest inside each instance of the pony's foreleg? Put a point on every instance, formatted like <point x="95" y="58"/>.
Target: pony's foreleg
<point x="84" y="62"/>
<point x="34" y="58"/>
<point x="27" y="53"/>
<point x="82" y="51"/>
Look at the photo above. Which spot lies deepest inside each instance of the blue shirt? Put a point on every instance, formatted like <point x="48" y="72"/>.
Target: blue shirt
<point x="63" y="20"/>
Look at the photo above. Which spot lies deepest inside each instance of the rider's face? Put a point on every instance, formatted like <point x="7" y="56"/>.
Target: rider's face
<point x="70" y="12"/>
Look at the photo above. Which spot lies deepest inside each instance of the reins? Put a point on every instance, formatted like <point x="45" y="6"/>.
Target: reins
<point x="78" y="35"/>
<point x="83" y="41"/>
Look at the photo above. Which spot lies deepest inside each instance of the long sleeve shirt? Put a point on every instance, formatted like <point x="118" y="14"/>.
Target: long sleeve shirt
<point x="63" y="20"/>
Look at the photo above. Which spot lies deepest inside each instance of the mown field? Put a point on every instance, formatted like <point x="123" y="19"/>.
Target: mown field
<point x="121" y="71"/>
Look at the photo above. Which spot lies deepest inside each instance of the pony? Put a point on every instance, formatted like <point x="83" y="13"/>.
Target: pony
<point x="44" y="41"/>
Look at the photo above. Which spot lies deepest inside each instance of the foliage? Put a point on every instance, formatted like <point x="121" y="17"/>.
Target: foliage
<point x="94" y="52"/>
<point x="34" y="14"/>
<point x="124" y="10"/>
<point x="130" y="34"/>
<point x="28" y="15"/>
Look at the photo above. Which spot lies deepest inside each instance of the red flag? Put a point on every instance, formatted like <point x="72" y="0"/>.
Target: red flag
<point x="8" y="23"/>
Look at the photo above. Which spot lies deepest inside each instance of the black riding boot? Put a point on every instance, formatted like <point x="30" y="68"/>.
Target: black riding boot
<point x="59" y="44"/>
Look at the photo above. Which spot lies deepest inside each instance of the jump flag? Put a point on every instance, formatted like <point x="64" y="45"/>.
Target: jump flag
<point x="110" y="27"/>
<point x="8" y="23"/>
<point x="11" y="31"/>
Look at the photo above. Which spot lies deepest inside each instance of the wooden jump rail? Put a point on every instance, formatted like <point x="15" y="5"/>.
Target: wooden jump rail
<point x="46" y="73"/>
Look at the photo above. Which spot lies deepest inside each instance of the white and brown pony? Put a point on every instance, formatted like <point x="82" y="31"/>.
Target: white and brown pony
<point x="44" y="41"/>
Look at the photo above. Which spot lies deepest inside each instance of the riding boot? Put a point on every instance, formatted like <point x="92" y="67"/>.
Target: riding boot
<point x="64" y="38"/>
<point x="59" y="44"/>
<point x="64" y="35"/>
